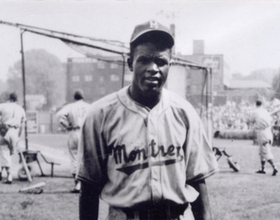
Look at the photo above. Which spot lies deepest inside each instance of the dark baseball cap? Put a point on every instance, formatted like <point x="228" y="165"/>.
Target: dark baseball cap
<point x="152" y="29"/>
<point x="79" y="94"/>
<point x="13" y="97"/>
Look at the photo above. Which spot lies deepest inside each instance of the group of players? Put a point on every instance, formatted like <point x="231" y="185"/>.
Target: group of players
<point x="143" y="149"/>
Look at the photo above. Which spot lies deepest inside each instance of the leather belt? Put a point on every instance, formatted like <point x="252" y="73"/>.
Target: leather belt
<point x="15" y="127"/>
<point x="74" y="128"/>
<point x="162" y="212"/>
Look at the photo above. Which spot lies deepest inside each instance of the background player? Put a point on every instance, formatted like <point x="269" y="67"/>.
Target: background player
<point x="262" y="124"/>
<point x="143" y="148"/>
<point x="72" y="117"/>
<point x="5" y="156"/>
<point x="12" y="120"/>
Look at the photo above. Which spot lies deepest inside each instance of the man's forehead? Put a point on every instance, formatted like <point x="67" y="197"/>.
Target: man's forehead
<point x="154" y="55"/>
<point x="149" y="48"/>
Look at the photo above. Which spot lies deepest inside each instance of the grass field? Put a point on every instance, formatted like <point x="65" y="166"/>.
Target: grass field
<point x="233" y="195"/>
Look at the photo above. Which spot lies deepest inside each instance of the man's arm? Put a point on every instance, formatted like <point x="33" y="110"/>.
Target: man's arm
<point x="201" y="206"/>
<point x="67" y="127"/>
<point x="89" y="202"/>
<point x="21" y="127"/>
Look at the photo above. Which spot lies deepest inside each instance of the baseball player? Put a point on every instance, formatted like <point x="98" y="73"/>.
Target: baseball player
<point x="72" y="117"/>
<point x="5" y="159"/>
<point x="262" y="124"/>
<point x="12" y="119"/>
<point x="143" y="149"/>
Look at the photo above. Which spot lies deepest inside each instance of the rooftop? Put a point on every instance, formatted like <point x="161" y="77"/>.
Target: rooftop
<point x="247" y="84"/>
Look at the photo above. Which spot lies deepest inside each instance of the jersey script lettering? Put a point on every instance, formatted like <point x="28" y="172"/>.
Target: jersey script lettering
<point x="121" y="156"/>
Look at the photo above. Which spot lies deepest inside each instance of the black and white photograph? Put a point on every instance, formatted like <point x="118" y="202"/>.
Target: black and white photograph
<point x="139" y="110"/>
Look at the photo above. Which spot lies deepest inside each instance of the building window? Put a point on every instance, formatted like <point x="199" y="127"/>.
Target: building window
<point x="115" y="78"/>
<point x="193" y="89"/>
<point x="88" y="78"/>
<point x="100" y="65"/>
<point x="114" y="66"/>
<point x="217" y="87"/>
<point x="75" y="78"/>
<point x="102" y="91"/>
<point x="128" y="77"/>
<point x="101" y="79"/>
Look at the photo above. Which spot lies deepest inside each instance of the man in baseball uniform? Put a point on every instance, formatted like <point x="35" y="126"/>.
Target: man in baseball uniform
<point x="12" y="120"/>
<point x="262" y="124"/>
<point x="72" y="117"/>
<point x="143" y="149"/>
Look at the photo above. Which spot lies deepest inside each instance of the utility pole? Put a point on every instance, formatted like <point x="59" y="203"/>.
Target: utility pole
<point x="23" y="85"/>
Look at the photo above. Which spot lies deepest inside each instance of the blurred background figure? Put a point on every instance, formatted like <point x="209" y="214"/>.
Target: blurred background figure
<point x="262" y="123"/>
<point x="72" y="117"/>
<point x="12" y="119"/>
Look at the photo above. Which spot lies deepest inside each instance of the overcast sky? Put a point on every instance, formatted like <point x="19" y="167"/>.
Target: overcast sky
<point x="247" y="33"/>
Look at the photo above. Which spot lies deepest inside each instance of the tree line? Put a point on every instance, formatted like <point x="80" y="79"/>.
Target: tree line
<point x="45" y="75"/>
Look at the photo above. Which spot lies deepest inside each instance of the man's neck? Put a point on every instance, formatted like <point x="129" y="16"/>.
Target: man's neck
<point x="148" y="101"/>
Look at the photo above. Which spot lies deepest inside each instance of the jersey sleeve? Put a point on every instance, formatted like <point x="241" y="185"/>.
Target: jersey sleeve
<point x="252" y="117"/>
<point x="201" y="161"/>
<point x="1" y="108"/>
<point x="62" y="115"/>
<point x="23" y="119"/>
<point x="91" y="154"/>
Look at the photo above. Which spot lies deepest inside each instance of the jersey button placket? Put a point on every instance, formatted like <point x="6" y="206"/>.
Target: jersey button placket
<point x="155" y="170"/>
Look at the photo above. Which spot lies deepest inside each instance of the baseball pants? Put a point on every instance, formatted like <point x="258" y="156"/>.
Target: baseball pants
<point x="5" y="153"/>
<point x="73" y="141"/>
<point x="265" y="139"/>
<point x="12" y="137"/>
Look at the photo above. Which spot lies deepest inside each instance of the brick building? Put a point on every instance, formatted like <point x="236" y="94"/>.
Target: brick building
<point x="96" y="78"/>
<point x="196" y="78"/>
<point x="224" y="87"/>
<point x="249" y="90"/>
<point x="101" y="76"/>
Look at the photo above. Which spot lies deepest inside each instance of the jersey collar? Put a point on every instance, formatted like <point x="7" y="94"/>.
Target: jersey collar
<point x="134" y="106"/>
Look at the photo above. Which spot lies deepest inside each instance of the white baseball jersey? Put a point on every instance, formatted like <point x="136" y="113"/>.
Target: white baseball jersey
<point x="262" y="118"/>
<point x="12" y="115"/>
<point x="73" y="116"/>
<point x="141" y="155"/>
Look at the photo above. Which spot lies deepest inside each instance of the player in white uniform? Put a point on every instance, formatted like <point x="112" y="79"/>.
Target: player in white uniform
<point x="72" y="117"/>
<point x="143" y="149"/>
<point x="12" y="118"/>
<point x="262" y="124"/>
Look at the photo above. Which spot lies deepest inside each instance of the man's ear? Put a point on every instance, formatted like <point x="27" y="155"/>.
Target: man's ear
<point x="129" y="63"/>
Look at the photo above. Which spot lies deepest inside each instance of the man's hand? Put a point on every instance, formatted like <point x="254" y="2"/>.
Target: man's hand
<point x="3" y="129"/>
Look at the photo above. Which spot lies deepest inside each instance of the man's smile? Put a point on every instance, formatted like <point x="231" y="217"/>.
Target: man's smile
<point x="153" y="80"/>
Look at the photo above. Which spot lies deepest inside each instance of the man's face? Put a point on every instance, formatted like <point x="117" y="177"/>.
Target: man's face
<point x="150" y="67"/>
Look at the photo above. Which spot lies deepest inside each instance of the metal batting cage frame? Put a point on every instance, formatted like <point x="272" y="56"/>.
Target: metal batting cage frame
<point x="82" y="44"/>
